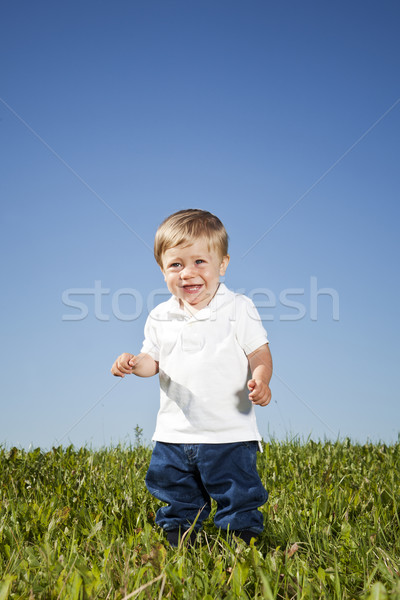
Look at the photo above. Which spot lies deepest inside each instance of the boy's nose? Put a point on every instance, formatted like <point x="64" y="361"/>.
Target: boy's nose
<point x="187" y="273"/>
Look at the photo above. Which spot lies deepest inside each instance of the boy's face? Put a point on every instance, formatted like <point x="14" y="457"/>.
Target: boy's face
<point x="192" y="272"/>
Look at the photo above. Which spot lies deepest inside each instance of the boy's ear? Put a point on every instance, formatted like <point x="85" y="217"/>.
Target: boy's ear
<point x="224" y="264"/>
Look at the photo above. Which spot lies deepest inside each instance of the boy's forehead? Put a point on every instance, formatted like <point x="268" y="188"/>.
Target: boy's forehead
<point x="201" y="246"/>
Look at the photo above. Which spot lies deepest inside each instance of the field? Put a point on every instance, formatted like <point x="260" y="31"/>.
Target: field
<point x="79" y="524"/>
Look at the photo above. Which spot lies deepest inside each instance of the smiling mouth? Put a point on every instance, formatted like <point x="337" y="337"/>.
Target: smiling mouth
<point x="192" y="289"/>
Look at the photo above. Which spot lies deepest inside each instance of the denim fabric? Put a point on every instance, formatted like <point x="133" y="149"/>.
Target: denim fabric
<point x="187" y="476"/>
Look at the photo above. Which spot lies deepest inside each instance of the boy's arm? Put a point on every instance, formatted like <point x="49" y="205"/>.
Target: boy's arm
<point x="260" y="362"/>
<point x="142" y="365"/>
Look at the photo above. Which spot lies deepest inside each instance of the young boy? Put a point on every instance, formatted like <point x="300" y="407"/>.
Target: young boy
<point x="211" y="353"/>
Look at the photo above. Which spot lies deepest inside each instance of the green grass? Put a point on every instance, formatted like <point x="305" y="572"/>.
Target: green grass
<point x="79" y="523"/>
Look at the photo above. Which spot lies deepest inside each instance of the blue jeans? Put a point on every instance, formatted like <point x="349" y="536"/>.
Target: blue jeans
<point x="187" y="476"/>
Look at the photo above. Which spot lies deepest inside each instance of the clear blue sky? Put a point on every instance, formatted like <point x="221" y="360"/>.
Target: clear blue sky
<point x="279" y="117"/>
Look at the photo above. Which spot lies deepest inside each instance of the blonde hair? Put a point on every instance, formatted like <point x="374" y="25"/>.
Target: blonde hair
<point x="185" y="226"/>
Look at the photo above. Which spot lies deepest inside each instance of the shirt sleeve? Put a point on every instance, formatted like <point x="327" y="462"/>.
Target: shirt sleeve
<point x="250" y="332"/>
<point x="150" y="343"/>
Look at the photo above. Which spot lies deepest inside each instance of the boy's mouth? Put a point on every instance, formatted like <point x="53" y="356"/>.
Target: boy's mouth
<point x="192" y="289"/>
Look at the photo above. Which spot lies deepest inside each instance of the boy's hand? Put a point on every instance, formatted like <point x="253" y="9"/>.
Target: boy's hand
<point x="260" y="362"/>
<point x="123" y="365"/>
<point x="259" y="392"/>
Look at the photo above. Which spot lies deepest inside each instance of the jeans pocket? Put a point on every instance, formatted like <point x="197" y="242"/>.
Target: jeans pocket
<point x="251" y="445"/>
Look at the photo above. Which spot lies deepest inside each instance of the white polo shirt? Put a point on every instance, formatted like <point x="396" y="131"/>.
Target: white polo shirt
<point x="204" y="369"/>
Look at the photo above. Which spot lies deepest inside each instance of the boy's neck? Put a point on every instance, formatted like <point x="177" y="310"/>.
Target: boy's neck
<point x="191" y="310"/>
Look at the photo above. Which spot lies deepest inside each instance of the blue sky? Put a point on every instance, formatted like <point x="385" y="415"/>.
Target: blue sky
<point x="280" y="117"/>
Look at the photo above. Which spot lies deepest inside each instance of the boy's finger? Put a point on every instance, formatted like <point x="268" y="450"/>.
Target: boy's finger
<point x="251" y="384"/>
<point x="116" y="372"/>
<point x="125" y="369"/>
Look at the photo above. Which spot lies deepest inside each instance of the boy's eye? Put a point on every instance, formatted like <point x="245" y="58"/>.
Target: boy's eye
<point x="199" y="261"/>
<point x="175" y="265"/>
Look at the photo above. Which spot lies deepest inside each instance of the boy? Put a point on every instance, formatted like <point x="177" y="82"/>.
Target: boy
<point x="202" y="342"/>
